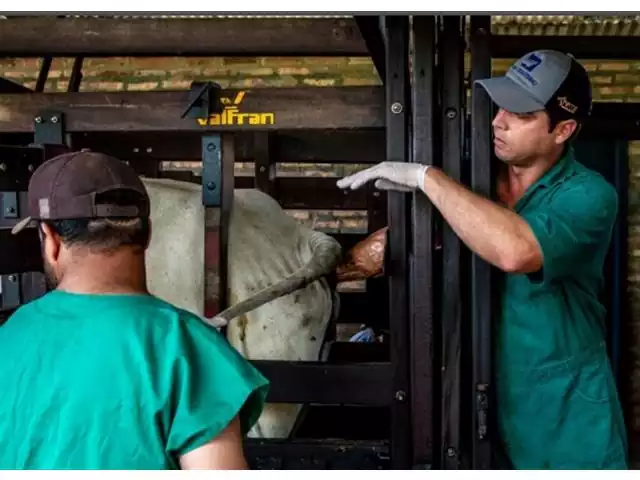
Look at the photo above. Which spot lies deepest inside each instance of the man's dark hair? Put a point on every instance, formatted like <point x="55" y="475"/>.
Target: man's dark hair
<point x="572" y="100"/>
<point x="105" y="234"/>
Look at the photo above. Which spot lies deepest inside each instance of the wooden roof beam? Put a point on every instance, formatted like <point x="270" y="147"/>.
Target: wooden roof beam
<point x="152" y="37"/>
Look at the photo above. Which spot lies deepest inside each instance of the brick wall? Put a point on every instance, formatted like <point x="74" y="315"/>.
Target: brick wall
<point x="140" y="74"/>
<point x="614" y="81"/>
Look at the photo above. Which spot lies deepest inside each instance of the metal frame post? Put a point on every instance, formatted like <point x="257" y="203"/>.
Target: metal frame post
<point x="451" y="48"/>
<point x="217" y="197"/>
<point x="482" y="273"/>
<point x="422" y="298"/>
<point x="397" y="118"/>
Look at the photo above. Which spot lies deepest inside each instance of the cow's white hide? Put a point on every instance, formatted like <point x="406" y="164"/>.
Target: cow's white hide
<point x="265" y="246"/>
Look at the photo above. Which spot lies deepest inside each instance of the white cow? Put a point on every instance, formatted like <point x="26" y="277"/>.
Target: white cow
<point x="270" y="254"/>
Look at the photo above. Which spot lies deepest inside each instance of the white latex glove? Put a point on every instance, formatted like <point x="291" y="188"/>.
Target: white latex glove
<point x="399" y="176"/>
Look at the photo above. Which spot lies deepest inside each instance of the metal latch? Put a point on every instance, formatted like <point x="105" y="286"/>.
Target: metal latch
<point x="482" y="407"/>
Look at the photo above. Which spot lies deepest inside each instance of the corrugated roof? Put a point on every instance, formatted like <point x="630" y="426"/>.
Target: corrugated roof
<point x="622" y="25"/>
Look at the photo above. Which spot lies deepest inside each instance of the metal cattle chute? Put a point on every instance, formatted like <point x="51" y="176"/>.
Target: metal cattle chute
<point x="422" y="399"/>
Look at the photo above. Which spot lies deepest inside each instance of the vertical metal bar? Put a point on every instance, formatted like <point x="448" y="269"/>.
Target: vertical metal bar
<point x="44" y="73"/>
<point x="451" y="57"/>
<point x="482" y="272"/>
<point x="211" y="171"/>
<point x="217" y="197"/>
<point x="228" y="186"/>
<point x="11" y="297"/>
<point x="422" y="311"/>
<point x="397" y="115"/>
<point x="265" y="166"/>
<point x="377" y="288"/>
<point x="76" y="75"/>
<point x="620" y="243"/>
<point x="10" y="284"/>
<point x="212" y="201"/>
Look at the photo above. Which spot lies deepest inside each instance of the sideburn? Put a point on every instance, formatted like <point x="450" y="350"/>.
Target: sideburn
<point x="50" y="277"/>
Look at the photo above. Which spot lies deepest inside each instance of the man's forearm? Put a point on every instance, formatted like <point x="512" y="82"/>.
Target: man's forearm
<point x="497" y="234"/>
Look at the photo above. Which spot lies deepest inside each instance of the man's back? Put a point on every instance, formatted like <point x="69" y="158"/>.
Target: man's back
<point x="116" y="382"/>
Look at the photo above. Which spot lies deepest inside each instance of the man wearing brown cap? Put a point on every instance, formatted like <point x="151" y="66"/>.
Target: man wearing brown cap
<point x="98" y="373"/>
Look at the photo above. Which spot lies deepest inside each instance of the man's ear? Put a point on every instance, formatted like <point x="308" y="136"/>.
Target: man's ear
<point x="51" y="243"/>
<point x="150" y="234"/>
<point x="565" y="130"/>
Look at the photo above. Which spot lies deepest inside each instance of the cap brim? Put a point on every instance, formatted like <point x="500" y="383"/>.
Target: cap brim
<point x="510" y="96"/>
<point x="22" y="224"/>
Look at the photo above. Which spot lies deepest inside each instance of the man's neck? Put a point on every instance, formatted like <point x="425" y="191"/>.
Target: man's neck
<point x="516" y="179"/>
<point x="95" y="274"/>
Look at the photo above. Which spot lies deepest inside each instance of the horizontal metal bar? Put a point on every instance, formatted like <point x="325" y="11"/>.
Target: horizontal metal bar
<point x="298" y="192"/>
<point x="581" y="47"/>
<point x="318" y="146"/>
<point x="258" y="109"/>
<point x="345" y="353"/>
<point x="296" y="454"/>
<point x="97" y="37"/>
<point x="321" y="383"/>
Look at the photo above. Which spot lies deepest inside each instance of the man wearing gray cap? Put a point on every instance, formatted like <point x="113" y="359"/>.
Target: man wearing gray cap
<point x="558" y="405"/>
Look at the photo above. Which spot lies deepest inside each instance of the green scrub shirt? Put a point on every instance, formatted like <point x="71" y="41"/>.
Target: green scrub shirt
<point x="558" y="406"/>
<point x="123" y="382"/>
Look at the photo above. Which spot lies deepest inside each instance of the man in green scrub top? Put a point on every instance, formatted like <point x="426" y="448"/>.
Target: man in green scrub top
<point x="98" y="373"/>
<point x="557" y="401"/>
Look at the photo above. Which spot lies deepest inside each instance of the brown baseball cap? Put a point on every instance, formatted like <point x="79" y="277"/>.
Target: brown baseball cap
<point x="68" y="186"/>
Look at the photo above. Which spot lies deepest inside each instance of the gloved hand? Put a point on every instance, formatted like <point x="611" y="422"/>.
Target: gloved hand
<point x="399" y="176"/>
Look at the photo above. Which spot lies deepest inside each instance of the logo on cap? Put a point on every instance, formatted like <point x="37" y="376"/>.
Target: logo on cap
<point x="526" y="66"/>
<point x="531" y="62"/>
<point x="43" y="204"/>
<point x="565" y="104"/>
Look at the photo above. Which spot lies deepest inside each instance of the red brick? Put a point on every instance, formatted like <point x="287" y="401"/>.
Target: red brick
<point x="361" y="81"/>
<point x="176" y="84"/>
<point x="255" y="71"/>
<point x="631" y="78"/>
<point x="293" y="71"/>
<point x="602" y="80"/>
<point x="281" y="62"/>
<point x="319" y="82"/>
<point x="605" y="91"/>
<point x="101" y="86"/>
<point x="614" y="67"/>
<point x="143" y="86"/>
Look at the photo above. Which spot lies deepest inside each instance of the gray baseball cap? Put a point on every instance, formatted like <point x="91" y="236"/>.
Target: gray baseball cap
<point x="544" y="79"/>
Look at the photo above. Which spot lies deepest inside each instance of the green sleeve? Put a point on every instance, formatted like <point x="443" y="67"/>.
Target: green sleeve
<point x="211" y="383"/>
<point x="574" y="227"/>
